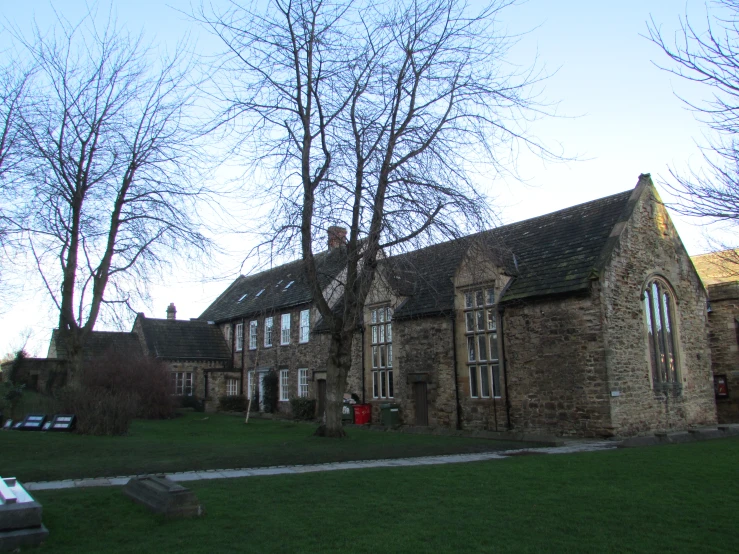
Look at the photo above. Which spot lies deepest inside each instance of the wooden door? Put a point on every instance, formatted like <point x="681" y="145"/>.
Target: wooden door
<point x="422" y="407"/>
<point x="321" y="407"/>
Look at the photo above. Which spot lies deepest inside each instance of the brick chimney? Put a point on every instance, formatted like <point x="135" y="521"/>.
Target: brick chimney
<point x="336" y="237"/>
<point x="171" y="311"/>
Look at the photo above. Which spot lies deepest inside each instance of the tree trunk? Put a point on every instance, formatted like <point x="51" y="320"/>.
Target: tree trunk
<point x="337" y="371"/>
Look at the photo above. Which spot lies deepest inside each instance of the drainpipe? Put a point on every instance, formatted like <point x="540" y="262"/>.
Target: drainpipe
<point x="363" y="366"/>
<point x="243" y="353"/>
<point x="456" y="379"/>
<point x="501" y="361"/>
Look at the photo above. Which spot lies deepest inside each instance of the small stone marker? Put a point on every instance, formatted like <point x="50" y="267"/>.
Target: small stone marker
<point x="20" y="517"/>
<point x="63" y="422"/>
<point x="163" y="496"/>
<point x="33" y="422"/>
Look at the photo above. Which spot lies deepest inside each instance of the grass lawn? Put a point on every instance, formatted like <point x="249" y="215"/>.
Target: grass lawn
<point x="678" y="498"/>
<point x="208" y="441"/>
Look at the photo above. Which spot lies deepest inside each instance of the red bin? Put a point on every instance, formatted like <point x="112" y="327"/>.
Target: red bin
<point x="362" y="414"/>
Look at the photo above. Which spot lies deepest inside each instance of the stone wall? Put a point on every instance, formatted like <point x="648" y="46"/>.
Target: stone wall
<point x="648" y="246"/>
<point x="424" y="353"/>
<point x="724" y="337"/>
<point x="555" y="363"/>
<point x="44" y="375"/>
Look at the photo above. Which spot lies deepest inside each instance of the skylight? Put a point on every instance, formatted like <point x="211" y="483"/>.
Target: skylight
<point x="240" y="299"/>
<point x="288" y="285"/>
<point x="260" y="292"/>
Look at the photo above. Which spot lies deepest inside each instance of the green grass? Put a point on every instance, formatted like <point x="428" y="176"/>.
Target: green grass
<point x="679" y="498"/>
<point x="208" y="441"/>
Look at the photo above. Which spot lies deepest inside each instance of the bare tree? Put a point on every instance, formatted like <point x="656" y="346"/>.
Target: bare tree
<point x="709" y="57"/>
<point x="374" y="118"/>
<point x="109" y="169"/>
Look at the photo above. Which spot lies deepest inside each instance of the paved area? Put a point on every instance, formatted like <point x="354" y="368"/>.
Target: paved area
<point x="570" y="448"/>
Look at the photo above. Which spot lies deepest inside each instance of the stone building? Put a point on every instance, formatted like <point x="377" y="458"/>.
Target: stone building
<point x="720" y="274"/>
<point x="269" y="319"/>
<point x="590" y="321"/>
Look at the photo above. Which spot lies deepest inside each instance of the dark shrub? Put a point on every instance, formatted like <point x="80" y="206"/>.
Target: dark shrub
<point x="232" y="403"/>
<point x="192" y="402"/>
<point x="99" y="411"/>
<point x="271" y="388"/>
<point x="143" y="377"/>
<point x="303" y="408"/>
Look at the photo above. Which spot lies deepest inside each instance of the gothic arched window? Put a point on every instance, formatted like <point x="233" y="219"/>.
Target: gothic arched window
<point x="659" y="306"/>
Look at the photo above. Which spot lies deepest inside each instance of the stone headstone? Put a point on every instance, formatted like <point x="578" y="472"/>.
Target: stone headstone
<point x="20" y="517"/>
<point x="163" y="496"/>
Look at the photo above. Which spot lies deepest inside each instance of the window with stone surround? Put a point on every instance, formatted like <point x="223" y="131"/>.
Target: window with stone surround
<point x="304" y="326"/>
<point x="302" y="383"/>
<point x="285" y="329"/>
<point x="232" y="387"/>
<point x="481" y="336"/>
<point x="239" y="337"/>
<point x="381" y="329"/>
<point x="268" y="331"/>
<point x="253" y="335"/>
<point x="284" y="392"/>
<point x="182" y="383"/>
<point x="659" y="307"/>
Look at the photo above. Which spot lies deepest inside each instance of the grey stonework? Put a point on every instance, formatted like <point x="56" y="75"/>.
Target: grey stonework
<point x="572" y="330"/>
<point x="724" y="338"/>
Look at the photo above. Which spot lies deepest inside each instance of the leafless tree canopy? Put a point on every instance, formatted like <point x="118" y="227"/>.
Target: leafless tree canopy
<point x="106" y="186"/>
<point x="373" y="117"/>
<point x="710" y="58"/>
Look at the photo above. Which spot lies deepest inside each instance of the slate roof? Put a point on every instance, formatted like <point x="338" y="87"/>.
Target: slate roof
<point x="554" y="253"/>
<point x="98" y="344"/>
<point x="183" y="339"/>
<point x="243" y="298"/>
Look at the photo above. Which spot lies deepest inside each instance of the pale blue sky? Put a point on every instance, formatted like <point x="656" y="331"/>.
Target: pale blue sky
<point x="623" y="117"/>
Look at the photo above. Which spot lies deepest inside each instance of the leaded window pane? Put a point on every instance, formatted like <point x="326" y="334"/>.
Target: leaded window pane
<point x="468" y="300"/>
<point x="375" y="357"/>
<point x="484" y="382"/>
<point x="375" y="387"/>
<point x="471" y="349"/>
<point x="389" y="355"/>
<point x="482" y="349"/>
<point x="491" y="320"/>
<point x="381" y="329"/>
<point x="493" y="346"/>
<point x="478" y="299"/>
<point x="383" y="390"/>
<point x="389" y="316"/>
<point x="383" y="360"/>
<point x="470" y="321"/>
<point x="381" y="315"/>
<point x="490" y="296"/>
<point x="374" y="335"/>
<point x="390" y="391"/>
<point x="496" y="378"/>
<point x="473" y="381"/>
<point x="389" y="332"/>
<point x="480" y="320"/>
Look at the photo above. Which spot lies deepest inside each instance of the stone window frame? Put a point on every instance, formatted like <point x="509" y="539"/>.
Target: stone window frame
<point x="232" y="387"/>
<point x="381" y="351"/>
<point x="284" y="394"/>
<point x="304" y="326"/>
<point x="285" y="329"/>
<point x="253" y="330"/>
<point x="480" y="318"/>
<point x="303" y="382"/>
<point x="183" y="383"/>
<point x="268" y="326"/>
<point x="662" y="377"/>
<point x="239" y="337"/>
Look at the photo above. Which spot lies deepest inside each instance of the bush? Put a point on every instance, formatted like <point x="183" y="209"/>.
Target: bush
<point x="303" y="408"/>
<point x="232" y="403"/>
<point x="192" y="402"/>
<point x="144" y="378"/>
<point x="271" y="387"/>
<point x="99" y="411"/>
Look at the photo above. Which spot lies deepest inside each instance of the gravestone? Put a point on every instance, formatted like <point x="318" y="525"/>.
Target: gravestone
<point x="163" y="496"/>
<point x="20" y="517"/>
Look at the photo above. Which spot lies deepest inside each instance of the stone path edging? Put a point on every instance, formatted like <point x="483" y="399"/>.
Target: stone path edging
<point x="570" y="448"/>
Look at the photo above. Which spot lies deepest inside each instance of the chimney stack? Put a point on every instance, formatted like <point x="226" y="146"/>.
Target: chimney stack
<point x="336" y="237"/>
<point x="171" y="311"/>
